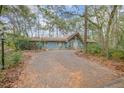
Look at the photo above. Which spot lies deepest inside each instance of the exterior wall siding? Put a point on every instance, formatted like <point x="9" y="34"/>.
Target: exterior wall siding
<point x="74" y="43"/>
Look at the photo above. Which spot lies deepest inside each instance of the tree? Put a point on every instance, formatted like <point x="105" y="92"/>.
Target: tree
<point x="108" y="29"/>
<point x="85" y="31"/>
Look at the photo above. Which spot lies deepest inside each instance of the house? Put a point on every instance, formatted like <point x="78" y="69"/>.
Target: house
<point x="73" y="41"/>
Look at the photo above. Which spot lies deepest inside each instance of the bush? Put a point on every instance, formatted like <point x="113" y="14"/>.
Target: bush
<point x="12" y="58"/>
<point x="16" y="57"/>
<point x="0" y="60"/>
<point x="23" y="44"/>
<point x="116" y="54"/>
<point x="94" y="48"/>
<point x="28" y="45"/>
<point x="39" y="45"/>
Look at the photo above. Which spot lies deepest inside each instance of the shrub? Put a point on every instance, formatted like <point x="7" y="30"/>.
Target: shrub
<point x="16" y="57"/>
<point x="12" y="58"/>
<point x="28" y="45"/>
<point x="0" y="60"/>
<point x="116" y="54"/>
<point x="23" y="44"/>
<point x="39" y="45"/>
<point x="94" y="48"/>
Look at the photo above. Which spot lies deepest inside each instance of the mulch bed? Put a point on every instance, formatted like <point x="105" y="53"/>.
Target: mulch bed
<point x="116" y="65"/>
<point x="10" y="75"/>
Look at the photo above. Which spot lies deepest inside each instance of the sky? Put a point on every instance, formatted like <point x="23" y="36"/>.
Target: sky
<point x="80" y="8"/>
<point x="69" y="8"/>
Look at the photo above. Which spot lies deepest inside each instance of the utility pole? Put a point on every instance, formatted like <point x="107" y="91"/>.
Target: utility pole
<point x="85" y="31"/>
<point x="2" y="41"/>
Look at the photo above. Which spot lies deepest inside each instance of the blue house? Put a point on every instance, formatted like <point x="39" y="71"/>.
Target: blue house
<point x="73" y="41"/>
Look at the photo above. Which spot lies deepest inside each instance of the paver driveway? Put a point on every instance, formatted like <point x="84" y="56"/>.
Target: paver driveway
<point x="62" y="68"/>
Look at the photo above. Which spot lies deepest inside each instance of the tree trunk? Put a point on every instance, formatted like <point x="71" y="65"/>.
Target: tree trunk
<point x="108" y="29"/>
<point x="85" y="31"/>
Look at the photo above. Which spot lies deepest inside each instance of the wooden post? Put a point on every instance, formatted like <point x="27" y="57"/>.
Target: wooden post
<point x="2" y="42"/>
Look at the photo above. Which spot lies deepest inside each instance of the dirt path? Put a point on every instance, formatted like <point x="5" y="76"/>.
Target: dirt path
<point x="62" y="68"/>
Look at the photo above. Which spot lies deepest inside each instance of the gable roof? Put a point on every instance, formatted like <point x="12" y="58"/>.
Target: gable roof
<point x="77" y="34"/>
<point x="73" y="36"/>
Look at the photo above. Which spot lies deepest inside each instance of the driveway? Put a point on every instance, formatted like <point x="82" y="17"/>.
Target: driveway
<point x="61" y="69"/>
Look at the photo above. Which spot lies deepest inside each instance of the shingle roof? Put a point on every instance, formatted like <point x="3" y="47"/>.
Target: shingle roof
<point x="73" y="35"/>
<point x="48" y="39"/>
<point x="59" y="39"/>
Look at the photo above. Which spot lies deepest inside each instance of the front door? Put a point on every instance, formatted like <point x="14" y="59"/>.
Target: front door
<point x="75" y="44"/>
